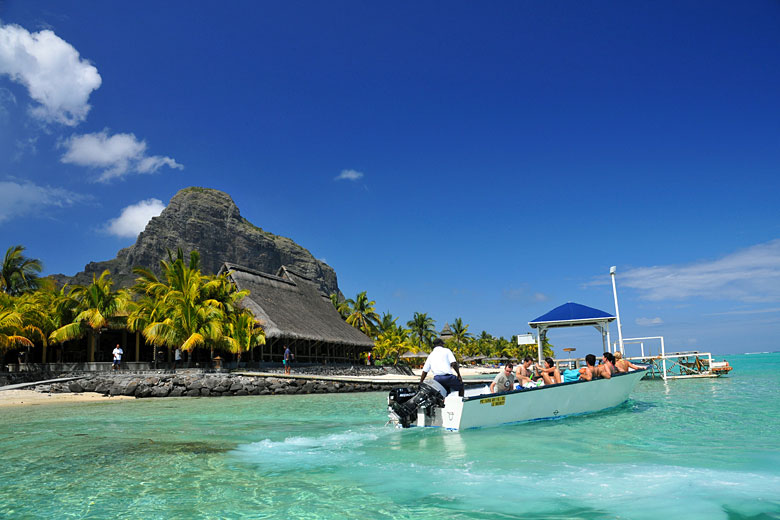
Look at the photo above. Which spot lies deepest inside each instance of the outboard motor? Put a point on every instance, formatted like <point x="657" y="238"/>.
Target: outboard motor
<point x="403" y="403"/>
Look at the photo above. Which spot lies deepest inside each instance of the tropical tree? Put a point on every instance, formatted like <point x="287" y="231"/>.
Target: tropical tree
<point x="422" y="328"/>
<point x="361" y="314"/>
<point x="387" y="323"/>
<point x="182" y="312"/>
<point x="337" y="304"/>
<point x="460" y="332"/>
<point x="98" y="308"/>
<point x="245" y="333"/>
<point x="394" y="343"/>
<point x="19" y="273"/>
<point x="11" y="328"/>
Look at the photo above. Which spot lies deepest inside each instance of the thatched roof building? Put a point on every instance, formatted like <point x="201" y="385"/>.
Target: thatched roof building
<point x="295" y="313"/>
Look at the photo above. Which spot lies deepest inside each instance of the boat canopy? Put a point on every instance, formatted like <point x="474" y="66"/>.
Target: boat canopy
<point x="572" y="315"/>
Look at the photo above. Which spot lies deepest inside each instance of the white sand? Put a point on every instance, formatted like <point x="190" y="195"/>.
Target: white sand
<point x="33" y="398"/>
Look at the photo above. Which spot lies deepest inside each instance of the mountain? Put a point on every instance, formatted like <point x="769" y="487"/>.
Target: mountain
<point x="208" y="221"/>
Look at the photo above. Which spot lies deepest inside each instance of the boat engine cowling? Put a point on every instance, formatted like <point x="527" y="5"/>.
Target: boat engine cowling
<point x="403" y="403"/>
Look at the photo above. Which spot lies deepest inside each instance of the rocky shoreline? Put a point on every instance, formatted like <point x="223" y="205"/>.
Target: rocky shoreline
<point x="206" y="385"/>
<point x="214" y="384"/>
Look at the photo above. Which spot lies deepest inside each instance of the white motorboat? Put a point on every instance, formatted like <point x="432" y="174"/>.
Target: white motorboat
<point x="428" y="406"/>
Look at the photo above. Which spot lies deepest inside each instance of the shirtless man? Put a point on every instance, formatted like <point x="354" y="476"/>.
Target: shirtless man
<point x="586" y="373"/>
<point x="623" y="365"/>
<point x="549" y="372"/>
<point x="524" y="371"/>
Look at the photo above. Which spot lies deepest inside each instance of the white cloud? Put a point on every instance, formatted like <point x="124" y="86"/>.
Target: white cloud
<point x="744" y="312"/>
<point x="52" y="71"/>
<point x="22" y="198"/>
<point x="134" y="218"/>
<point x="749" y="275"/>
<point x="648" y="322"/>
<point x="117" y="155"/>
<point x="350" y="175"/>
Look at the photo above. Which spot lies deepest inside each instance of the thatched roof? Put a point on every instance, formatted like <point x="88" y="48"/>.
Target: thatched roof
<point x="289" y="305"/>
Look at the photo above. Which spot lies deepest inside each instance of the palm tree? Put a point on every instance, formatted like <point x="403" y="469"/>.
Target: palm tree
<point x="19" y="273"/>
<point x="338" y="305"/>
<point x="363" y="315"/>
<point x="98" y="308"/>
<point x="460" y="332"/>
<point x="182" y="311"/>
<point x="11" y="326"/>
<point x="245" y="333"/>
<point x="393" y="343"/>
<point x="387" y="323"/>
<point x="422" y="328"/>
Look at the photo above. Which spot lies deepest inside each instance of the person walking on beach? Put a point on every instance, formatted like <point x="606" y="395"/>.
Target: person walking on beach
<point x="442" y="364"/>
<point x="288" y="356"/>
<point x="117" y="357"/>
<point x="176" y="358"/>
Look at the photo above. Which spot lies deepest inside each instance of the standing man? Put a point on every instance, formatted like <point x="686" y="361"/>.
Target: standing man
<point x="442" y="364"/>
<point x="176" y="358"/>
<point x="504" y="381"/>
<point x="117" y="357"/>
<point x="287" y="358"/>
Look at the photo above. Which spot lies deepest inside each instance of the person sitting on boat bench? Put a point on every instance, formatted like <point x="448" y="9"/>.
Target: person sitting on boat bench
<point x="442" y="364"/>
<point x="524" y="373"/>
<point x="585" y="373"/>
<point x="549" y="372"/>
<point x="624" y="365"/>
<point x="607" y="365"/>
<point x="504" y="381"/>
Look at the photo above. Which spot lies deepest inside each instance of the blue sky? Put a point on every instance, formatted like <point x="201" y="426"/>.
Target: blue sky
<point x="488" y="162"/>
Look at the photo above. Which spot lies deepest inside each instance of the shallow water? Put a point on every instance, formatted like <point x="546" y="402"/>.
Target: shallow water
<point x="690" y="448"/>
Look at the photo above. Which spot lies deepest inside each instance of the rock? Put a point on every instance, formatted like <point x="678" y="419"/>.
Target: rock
<point x="75" y="386"/>
<point x="241" y="392"/>
<point x="143" y="391"/>
<point x="130" y="388"/>
<point x="194" y="384"/>
<point x="208" y="221"/>
<point x="195" y="392"/>
<point x="176" y="392"/>
<point x="235" y="387"/>
<point x="88" y="385"/>
<point x="205" y="392"/>
<point x="161" y="391"/>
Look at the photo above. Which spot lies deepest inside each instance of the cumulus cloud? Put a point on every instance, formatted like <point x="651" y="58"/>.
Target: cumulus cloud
<point x="648" y="322"/>
<point x="56" y="77"/>
<point x="117" y="155"/>
<point x="22" y="198"/>
<point x="133" y="219"/>
<point x="350" y="175"/>
<point x="748" y="275"/>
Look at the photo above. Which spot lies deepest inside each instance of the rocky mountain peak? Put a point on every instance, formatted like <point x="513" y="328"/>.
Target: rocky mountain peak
<point x="207" y="220"/>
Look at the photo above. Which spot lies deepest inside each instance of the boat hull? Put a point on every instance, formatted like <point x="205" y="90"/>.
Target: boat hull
<point x="547" y="402"/>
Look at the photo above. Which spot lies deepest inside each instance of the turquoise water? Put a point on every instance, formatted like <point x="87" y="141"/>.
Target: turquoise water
<point x="685" y="449"/>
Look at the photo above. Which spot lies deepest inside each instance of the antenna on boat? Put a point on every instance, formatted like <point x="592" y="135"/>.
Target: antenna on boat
<point x="612" y="271"/>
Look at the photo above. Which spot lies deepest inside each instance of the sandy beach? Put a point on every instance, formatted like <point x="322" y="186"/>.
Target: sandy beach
<point x="33" y="398"/>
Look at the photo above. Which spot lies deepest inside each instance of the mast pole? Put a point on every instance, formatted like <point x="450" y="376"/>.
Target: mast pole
<point x="617" y="310"/>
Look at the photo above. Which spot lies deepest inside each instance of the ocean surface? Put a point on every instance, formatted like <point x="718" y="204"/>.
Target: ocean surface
<point x="691" y="449"/>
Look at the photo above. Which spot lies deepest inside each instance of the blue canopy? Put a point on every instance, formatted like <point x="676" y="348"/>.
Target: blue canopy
<point x="570" y="315"/>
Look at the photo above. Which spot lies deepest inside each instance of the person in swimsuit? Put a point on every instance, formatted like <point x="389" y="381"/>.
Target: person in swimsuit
<point x="606" y="368"/>
<point x="585" y="373"/>
<point x="549" y="372"/>
<point x="624" y="365"/>
<point x="524" y="371"/>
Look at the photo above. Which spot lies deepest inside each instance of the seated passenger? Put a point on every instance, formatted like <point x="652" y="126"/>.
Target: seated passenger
<point x="549" y="372"/>
<point x="585" y="373"/>
<point x="524" y="373"/>
<point x="624" y="365"/>
<point x="606" y="368"/>
<point x="504" y="381"/>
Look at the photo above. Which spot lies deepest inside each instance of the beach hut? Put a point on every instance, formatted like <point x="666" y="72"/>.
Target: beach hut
<point x="294" y="312"/>
<point x="415" y="359"/>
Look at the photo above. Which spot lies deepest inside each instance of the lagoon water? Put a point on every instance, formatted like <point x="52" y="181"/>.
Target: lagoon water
<point x="685" y="449"/>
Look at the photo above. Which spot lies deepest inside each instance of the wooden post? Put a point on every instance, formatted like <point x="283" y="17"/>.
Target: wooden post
<point x="91" y="348"/>
<point x="43" y="355"/>
<point x="137" y="346"/>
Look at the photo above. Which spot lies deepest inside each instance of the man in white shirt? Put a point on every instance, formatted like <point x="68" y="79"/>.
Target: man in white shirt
<point x="117" y="357"/>
<point x="442" y="364"/>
